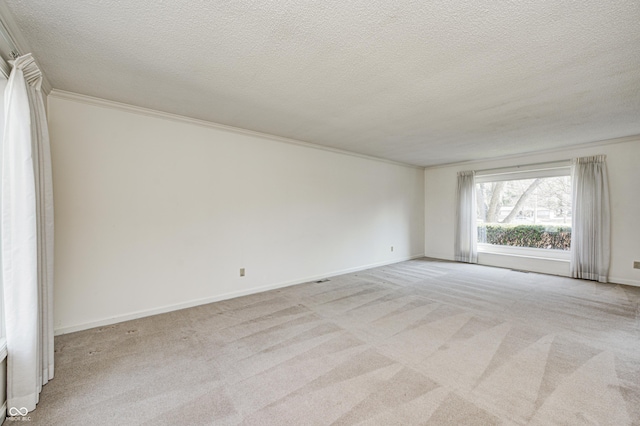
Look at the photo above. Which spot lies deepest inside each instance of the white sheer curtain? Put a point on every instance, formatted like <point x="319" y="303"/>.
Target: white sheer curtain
<point x="26" y="236"/>
<point x="466" y="243"/>
<point x="591" y="223"/>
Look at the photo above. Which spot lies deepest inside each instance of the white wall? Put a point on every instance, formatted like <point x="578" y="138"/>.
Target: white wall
<point x="623" y="159"/>
<point x="154" y="213"/>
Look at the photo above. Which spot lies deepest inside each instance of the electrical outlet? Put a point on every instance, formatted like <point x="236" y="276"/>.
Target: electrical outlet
<point x="391" y="248"/>
<point x="242" y="272"/>
<point x="636" y="265"/>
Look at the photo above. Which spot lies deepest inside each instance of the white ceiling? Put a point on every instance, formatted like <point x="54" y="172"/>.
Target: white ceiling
<point x="413" y="81"/>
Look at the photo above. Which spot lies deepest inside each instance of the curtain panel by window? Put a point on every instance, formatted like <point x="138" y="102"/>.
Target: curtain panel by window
<point x="591" y="223"/>
<point x="26" y="236"/>
<point x="466" y="240"/>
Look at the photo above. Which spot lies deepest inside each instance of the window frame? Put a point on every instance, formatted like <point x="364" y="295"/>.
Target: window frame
<point x="531" y="171"/>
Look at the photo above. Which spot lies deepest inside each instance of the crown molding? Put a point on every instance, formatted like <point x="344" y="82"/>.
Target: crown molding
<point x="8" y="21"/>
<point x="623" y="139"/>
<point x="104" y="103"/>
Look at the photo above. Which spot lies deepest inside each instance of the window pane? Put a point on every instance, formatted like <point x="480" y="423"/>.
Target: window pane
<point x="526" y="212"/>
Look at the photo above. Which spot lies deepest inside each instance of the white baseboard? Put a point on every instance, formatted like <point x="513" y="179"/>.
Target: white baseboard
<point x="525" y="263"/>
<point x="625" y="281"/>
<point x="440" y="256"/>
<point x="217" y="298"/>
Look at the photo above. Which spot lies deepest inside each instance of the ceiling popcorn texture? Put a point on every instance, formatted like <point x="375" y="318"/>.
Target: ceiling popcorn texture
<point x="418" y="82"/>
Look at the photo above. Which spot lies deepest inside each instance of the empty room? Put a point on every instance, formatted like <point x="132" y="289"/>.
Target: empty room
<point x="314" y="213"/>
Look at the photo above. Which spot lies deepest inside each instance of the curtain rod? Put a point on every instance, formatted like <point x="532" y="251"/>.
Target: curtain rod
<point x="13" y="46"/>
<point x="558" y="163"/>
<point x="14" y="52"/>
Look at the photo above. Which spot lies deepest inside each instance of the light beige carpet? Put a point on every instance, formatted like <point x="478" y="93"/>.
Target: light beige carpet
<point x="418" y="342"/>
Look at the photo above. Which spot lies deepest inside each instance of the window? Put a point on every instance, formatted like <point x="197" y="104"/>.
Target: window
<point x="525" y="210"/>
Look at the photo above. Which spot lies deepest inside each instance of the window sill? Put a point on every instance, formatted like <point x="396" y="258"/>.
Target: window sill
<point x="526" y="252"/>
<point x="549" y="259"/>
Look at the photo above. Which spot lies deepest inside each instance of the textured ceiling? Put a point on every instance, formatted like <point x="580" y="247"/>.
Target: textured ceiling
<point x="418" y="82"/>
